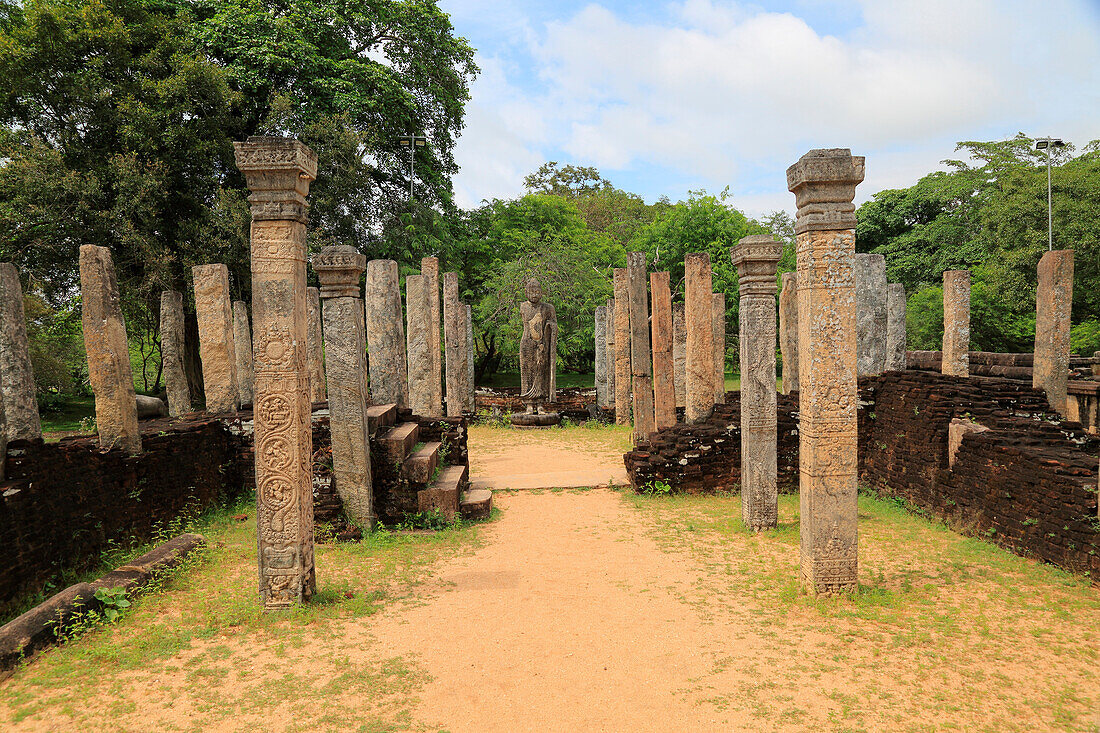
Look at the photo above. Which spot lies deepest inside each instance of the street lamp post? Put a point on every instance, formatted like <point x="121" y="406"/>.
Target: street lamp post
<point x="1046" y="143"/>
<point x="412" y="142"/>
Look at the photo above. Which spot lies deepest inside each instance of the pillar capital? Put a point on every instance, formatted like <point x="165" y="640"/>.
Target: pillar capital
<point x="278" y="171"/>
<point x="824" y="183"/>
<point x="756" y="258"/>
<point x="339" y="268"/>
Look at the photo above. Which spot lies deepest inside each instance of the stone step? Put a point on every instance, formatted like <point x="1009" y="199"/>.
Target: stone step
<point x="399" y="440"/>
<point x="419" y="467"/>
<point x="379" y="416"/>
<point x="443" y="494"/>
<point x="476" y="504"/>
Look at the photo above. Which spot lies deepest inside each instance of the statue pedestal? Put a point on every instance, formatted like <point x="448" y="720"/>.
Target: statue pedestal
<point x="544" y="420"/>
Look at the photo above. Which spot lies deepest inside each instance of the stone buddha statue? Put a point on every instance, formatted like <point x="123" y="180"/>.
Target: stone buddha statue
<point x="538" y="348"/>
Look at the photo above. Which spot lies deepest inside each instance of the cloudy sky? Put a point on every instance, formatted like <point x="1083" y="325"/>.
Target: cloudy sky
<point x="664" y="97"/>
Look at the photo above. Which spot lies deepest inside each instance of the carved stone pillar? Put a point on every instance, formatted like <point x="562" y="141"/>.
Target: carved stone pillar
<point x="610" y="330"/>
<point x="16" y="373"/>
<point x="788" y="331"/>
<point x="216" y="346"/>
<point x="242" y="340"/>
<point x="386" y="334"/>
<point x="429" y="268"/>
<point x="824" y="184"/>
<point x="623" y="377"/>
<point x="172" y="349"/>
<point x="870" y="276"/>
<point x="641" y="357"/>
<point x="756" y="258"/>
<point x="471" y="397"/>
<point x="664" y="386"/>
<point x="418" y="334"/>
<point x="895" y="328"/>
<point x="599" y="334"/>
<point x="679" y="352"/>
<point x="1053" y="300"/>
<point x="718" y="315"/>
<point x="315" y="359"/>
<point x="454" y="337"/>
<point x="699" y="317"/>
<point x="278" y="172"/>
<point x="956" y="323"/>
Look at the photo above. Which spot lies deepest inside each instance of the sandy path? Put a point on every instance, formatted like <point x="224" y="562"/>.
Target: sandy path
<point x="514" y="459"/>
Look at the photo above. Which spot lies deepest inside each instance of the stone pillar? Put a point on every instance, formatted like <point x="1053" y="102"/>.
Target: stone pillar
<point x="756" y="258"/>
<point x="664" y="381"/>
<point x="623" y="376"/>
<point x="315" y="352"/>
<point x="338" y="269"/>
<point x="679" y="352"/>
<point x="610" y="365"/>
<point x="278" y="172"/>
<point x="895" y="328"/>
<point x="956" y="323"/>
<point x="600" y="338"/>
<point x="385" y="334"/>
<point x="429" y="268"/>
<point x="699" y="344"/>
<point x="216" y="346"/>
<point x="471" y="392"/>
<point x="719" y="316"/>
<point x="171" y="350"/>
<point x="454" y="337"/>
<point x="16" y="374"/>
<point x="788" y="331"/>
<point x="1053" y="300"/>
<point x="870" y="276"/>
<point x="418" y="334"/>
<point x="824" y="184"/>
<point x="108" y="352"/>
<point x="242" y="342"/>
<point x="641" y="357"/>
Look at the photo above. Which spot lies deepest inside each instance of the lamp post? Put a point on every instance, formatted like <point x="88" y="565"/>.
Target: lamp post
<point x="1046" y="143"/>
<point x="412" y="142"/>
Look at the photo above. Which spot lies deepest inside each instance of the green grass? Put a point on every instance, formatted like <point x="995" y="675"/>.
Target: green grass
<point x="66" y="414"/>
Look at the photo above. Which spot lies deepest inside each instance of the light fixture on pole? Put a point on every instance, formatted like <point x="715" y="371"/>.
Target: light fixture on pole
<point x="412" y="142"/>
<point x="1046" y="143"/>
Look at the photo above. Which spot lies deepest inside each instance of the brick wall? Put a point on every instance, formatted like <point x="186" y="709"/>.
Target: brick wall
<point x="573" y="403"/>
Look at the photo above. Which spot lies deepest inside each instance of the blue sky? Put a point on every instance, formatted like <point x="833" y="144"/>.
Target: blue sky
<point x="666" y="97"/>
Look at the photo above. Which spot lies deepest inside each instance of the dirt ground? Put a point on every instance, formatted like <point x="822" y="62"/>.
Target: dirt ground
<point x="508" y="458"/>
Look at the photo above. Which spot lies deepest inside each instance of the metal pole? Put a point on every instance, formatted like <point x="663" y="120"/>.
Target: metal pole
<point x="412" y="163"/>
<point x="1050" y="210"/>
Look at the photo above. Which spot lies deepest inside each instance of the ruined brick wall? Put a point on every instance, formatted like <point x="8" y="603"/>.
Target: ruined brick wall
<point x="573" y="403"/>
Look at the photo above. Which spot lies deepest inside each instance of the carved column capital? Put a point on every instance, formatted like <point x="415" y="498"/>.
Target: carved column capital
<point x="824" y="183"/>
<point x="278" y="171"/>
<point x="339" y="268"/>
<point x="756" y="258"/>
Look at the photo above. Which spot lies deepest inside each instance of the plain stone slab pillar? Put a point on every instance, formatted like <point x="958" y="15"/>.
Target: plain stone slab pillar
<point x="956" y="323"/>
<point x="429" y="268"/>
<point x="699" y="320"/>
<point x="623" y="376"/>
<point x="610" y="362"/>
<point x="664" y="380"/>
<point x="454" y="338"/>
<point x="385" y="334"/>
<point x="895" y="328"/>
<point x="788" y="331"/>
<point x="172" y="349"/>
<point x="824" y="184"/>
<point x="16" y="373"/>
<point x="242" y="341"/>
<point x="216" y="346"/>
<point x="719" y="316"/>
<point x="109" y="369"/>
<point x="599" y="336"/>
<point x="471" y="392"/>
<point x="418" y="334"/>
<point x="316" y="353"/>
<point x="756" y="258"/>
<point x="679" y="352"/>
<point x="338" y="269"/>
<point x="641" y="357"/>
<point x="1053" y="300"/>
<point x="278" y="172"/>
<point x="870" y="275"/>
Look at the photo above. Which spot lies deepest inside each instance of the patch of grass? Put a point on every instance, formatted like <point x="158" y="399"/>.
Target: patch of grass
<point x="65" y="414"/>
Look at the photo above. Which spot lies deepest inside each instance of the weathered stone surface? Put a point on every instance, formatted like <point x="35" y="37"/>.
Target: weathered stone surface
<point x="641" y="355"/>
<point x="172" y="349"/>
<point x="242" y="347"/>
<point x="418" y="311"/>
<point x="895" y="328"/>
<point x="958" y="429"/>
<point x="623" y="377"/>
<point x="600" y="338"/>
<point x="756" y="258"/>
<point x="1053" y="300"/>
<point x="16" y="374"/>
<point x="956" y="323"/>
<point x="454" y="337"/>
<point x="386" y="334"/>
<point x="537" y="349"/>
<point x="278" y="172"/>
<point x="471" y="399"/>
<point x="315" y="351"/>
<point x="108" y="353"/>
<point x="429" y="268"/>
<point x="610" y="361"/>
<point x="788" y="331"/>
<point x="824" y="182"/>
<point x="216" y="345"/>
<point x="679" y="352"/>
<point x="338" y="269"/>
<point x="718" y="314"/>
<point x="870" y="277"/>
<point x="664" y="387"/>
<point x="699" y="319"/>
<point x="150" y="407"/>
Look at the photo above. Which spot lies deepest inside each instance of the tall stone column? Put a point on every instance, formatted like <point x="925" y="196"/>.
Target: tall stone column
<point x="719" y="321"/>
<point x="599" y="332"/>
<point x="610" y="366"/>
<point x="316" y="354"/>
<point x="756" y="258"/>
<point x="641" y="357"/>
<point x="870" y="275"/>
<point x="956" y="323"/>
<point x="788" y="331"/>
<point x="471" y="396"/>
<point x="895" y="328"/>
<point x="338" y="269"/>
<point x="386" y="334"/>
<point x="454" y="338"/>
<point x="242" y="342"/>
<point x="16" y="374"/>
<point x="623" y="376"/>
<point x="429" y="268"/>
<point x="664" y="380"/>
<point x="1053" y="300"/>
<point x="108" y="352"/>
<point x="699" y="318"/>
<point x="824" y="184"/>
<point x="278" y="172"/>
<point x="418" y="333"/>
<point x="679" y="352"/>
<point x="172" y="349"/>
<point x="216" y="346"/>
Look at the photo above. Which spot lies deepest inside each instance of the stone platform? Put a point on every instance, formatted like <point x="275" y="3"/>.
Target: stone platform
<point x="543" y="420"/>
